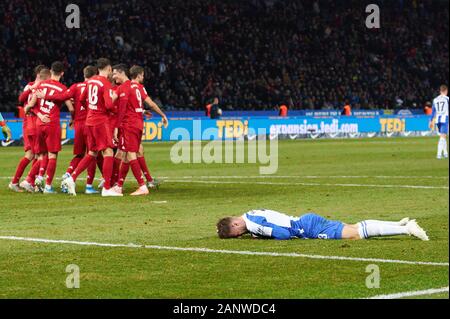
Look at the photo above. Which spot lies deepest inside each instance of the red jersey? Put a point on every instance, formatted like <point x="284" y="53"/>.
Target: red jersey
<point x="46" y="106"/>
<point x="113" y="116"/>
<point x="74" y="92"/>
<point x="98" y="96"/>
<point x="29" y="123"/>
<point x="131" y="105"/>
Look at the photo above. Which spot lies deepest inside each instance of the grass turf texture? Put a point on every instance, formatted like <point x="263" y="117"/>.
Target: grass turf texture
<point x="188" y="219"/>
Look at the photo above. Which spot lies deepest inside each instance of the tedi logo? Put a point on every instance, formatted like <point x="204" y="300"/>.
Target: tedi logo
<point x="226" y="145"/>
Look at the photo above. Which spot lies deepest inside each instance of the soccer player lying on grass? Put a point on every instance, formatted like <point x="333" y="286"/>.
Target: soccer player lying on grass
<point x="271" y="224"/>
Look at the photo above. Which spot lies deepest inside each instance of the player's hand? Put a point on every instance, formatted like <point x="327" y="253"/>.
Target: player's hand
<point x="71" y="124"/>
<point x="44" y="118"/>
<point x="40" y="94"/>
<point x="148" y="114"/>
<point x="35" y="85"/>
<point x="114" y="96"/>
<point x="165" y="121"/>
<point x="431" y="125"/>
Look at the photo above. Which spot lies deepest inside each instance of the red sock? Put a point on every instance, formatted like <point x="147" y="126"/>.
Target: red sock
<point x="51" y="168"/>
<point x="100" y="162"/>
<point x="85" y="162"/>
<point x="91" y="172"/>
<point x="43" y="166"/>
<point x="144" y="169"/>
<point x="116" y="168"/>
<point x="20" y="168"/>
<point x="73" y="164"/>
<point x="108" y="163"/>
<point x="136" y="169"/>
<point x="124" y="168"/>
<point x="33" y="172"/>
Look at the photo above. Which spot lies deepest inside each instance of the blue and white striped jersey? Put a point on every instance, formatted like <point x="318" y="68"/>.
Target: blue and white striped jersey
<point x="269" y="223"/>
<point x="440" y="109"/>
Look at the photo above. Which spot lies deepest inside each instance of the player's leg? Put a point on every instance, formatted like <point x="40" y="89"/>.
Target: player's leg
<point x="151" y="182"/>
<point x="124" y="168"/>
<point x="118" y="157"/>
<point x="90" y="178"/>
<point x="371" y="228"/>
<point x="136" y="169"/>
<point x="444" y="145"/>
<point x="23" y="163"/>
<point x="51" y="169"/>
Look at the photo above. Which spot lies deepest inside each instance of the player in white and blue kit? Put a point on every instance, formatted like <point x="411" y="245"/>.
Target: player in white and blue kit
<point x="439" y="118"/>
<point x="267" y="223"/>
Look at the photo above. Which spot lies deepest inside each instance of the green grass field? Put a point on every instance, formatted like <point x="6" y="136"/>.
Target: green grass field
<point x="340" y="179"/>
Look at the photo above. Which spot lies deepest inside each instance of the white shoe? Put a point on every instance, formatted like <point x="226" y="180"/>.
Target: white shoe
<point x="110" y="193"/>
<point x="70" y="184"/>
<point x="118" y="189"/>
<point x="15" y="188"/>
<point x="439" y="157"/>
<point x="415" y="230"/>
<point x="27" y="186"/>
<point x="404" y="221"/>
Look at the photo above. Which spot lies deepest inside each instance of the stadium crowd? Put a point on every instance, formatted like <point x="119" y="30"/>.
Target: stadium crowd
<point x="251" y="54"/>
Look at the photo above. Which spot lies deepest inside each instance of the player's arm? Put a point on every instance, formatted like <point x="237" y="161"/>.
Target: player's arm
<point x="23" y="97"/>
<point x="433" y="115"/>
<point x="123" y="96"/>
<point x="156" y="108"/>
<point x="266" y="229"/>
<point x="109" y="97"/>
<point x="57" y="97"/>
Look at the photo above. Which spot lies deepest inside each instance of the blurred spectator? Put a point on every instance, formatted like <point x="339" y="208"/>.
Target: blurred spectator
<point x="428" y="109"/>
<point x="347" y="111"/>
<point x="283" y="110"/>
<point x="252" y="54"/>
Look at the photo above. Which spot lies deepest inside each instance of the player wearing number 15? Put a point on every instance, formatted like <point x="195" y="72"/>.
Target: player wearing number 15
<point x="439" y="117"/>
<point x="100" y="102"/>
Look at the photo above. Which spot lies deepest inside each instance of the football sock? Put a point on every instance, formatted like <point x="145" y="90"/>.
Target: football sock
<point x="73" y="164"/>
<point x="20" y="168"/>
<point x="108" y="163"/>
<point x="51" y="168"/>
<point x="374" y="229"/>
<point x="382" y="222"/>
<point x="144" y="169"/>
<point x="440" y="148"/>
<point x="124" y="168"/>
<point x="43" y="165"/>
<point x="85" y="162"/>
<point x="33" y="172"/>
<point x="91" y="172"/>
<point x="100" y="162"/>
<point x="116" y="168"/>
<point x="444" y="146"/>
<point x="136" y="169"/>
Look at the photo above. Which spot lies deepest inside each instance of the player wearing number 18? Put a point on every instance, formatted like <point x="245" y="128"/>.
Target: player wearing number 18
<point x="100" y="102"/>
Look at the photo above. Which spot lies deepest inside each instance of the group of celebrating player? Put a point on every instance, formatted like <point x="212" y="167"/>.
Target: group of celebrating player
<point x="107" y="111"/>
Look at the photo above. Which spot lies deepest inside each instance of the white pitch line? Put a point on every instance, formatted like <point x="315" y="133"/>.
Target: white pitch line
<point x="221" y="251"/>
<point x="309" y="177"/>
<point x="305" y="184"/>
<point x="411" y="293"/>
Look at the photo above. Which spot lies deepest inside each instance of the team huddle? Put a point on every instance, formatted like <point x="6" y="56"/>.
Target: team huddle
<point x="107" y="114"/>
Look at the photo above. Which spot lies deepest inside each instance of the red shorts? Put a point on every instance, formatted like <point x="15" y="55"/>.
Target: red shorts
<point x="80" y="139"/>
<point x="99" y="137"/>
<point x="130" y="139"/>
<point x="29" y="135"/>
<point x="48" y="139"/>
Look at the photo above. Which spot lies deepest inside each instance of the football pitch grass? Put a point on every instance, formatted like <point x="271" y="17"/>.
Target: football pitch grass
<point x="348" y="180"/>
